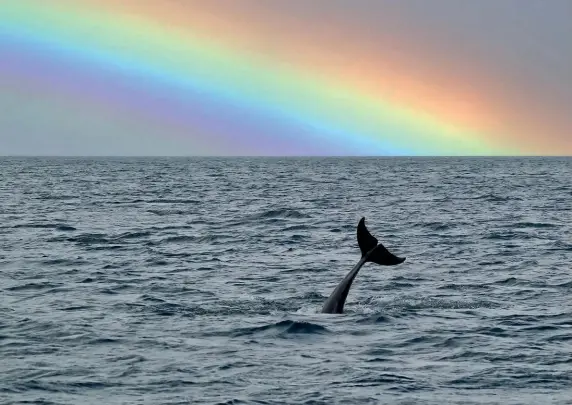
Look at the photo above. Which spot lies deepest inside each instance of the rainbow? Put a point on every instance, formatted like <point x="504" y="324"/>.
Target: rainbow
<point x="142" y="67"/>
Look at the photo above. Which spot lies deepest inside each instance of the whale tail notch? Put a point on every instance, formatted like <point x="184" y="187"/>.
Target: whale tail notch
<point x="380" y="254"/>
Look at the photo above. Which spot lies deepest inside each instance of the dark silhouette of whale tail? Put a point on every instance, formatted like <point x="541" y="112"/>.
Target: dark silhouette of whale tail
<point x="371" y="251"/>
<point x="375" y="252"/>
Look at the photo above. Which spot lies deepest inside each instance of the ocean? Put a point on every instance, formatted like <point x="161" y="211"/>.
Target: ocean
<point x="201" y="280"/>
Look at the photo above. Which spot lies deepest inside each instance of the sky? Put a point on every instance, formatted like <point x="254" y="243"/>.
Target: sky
<point x="285" y="77"/>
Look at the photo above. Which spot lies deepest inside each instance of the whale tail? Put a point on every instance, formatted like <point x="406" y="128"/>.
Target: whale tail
<point x="380" y="255"/>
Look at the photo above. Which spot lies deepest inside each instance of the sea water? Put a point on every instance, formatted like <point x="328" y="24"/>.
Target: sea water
<point x="200" y="280"/>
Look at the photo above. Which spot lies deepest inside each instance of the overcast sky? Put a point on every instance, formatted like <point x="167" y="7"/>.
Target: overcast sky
<point x="513" y="58"/>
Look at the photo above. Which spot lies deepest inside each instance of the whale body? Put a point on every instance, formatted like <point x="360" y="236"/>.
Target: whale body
<point x="371" y="251"/>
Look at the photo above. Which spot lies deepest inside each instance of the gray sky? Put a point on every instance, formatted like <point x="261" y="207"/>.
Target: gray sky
<point x="508" y="63"/>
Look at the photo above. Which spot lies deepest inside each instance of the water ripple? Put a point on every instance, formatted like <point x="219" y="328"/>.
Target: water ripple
<point x="175" y="281"/>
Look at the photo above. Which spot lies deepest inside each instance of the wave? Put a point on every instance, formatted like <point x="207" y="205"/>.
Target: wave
<point x="280" y="213"/>
<point x="65" y="228"/>
<point x="63" y="262"/>
<point x="56" y="197"/>
<point x="132" y="235"/>
<point x="56" y="226"/>
<point x="102" y="238"/>
<point x="513" y="281"/>
<point x="89" y="238"/>
<point x="296" y="228"/>
<point x="135" y="201"/>
<point x="173" y="227"/>
<point x="564" y="337"/>
<point x="495" y="198"/>
<point x="283" y="329"/>
<point x="166" y="212"/>
<point x="212" y="238"/>
<point x="533" y="225"/>
<point x="508" y="235"/>
<point x="76" y="387"/>
<point x="437" y="226"/>
<point x="405" y="306"/>
<point x="173" y="201"/>
<point x="377" y="318"/>
<point x="34" y="286"/>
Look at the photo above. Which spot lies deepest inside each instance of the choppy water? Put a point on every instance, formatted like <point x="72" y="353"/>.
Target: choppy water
<point x="172" y="281"/>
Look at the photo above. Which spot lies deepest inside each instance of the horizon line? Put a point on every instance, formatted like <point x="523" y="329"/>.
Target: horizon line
<point x="283" y="156"/>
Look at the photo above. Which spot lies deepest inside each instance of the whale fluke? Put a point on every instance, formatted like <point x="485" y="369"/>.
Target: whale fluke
<point x="371" y="251"/>
<point x="380" y="255"/>
<point x="365" y="240"/>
